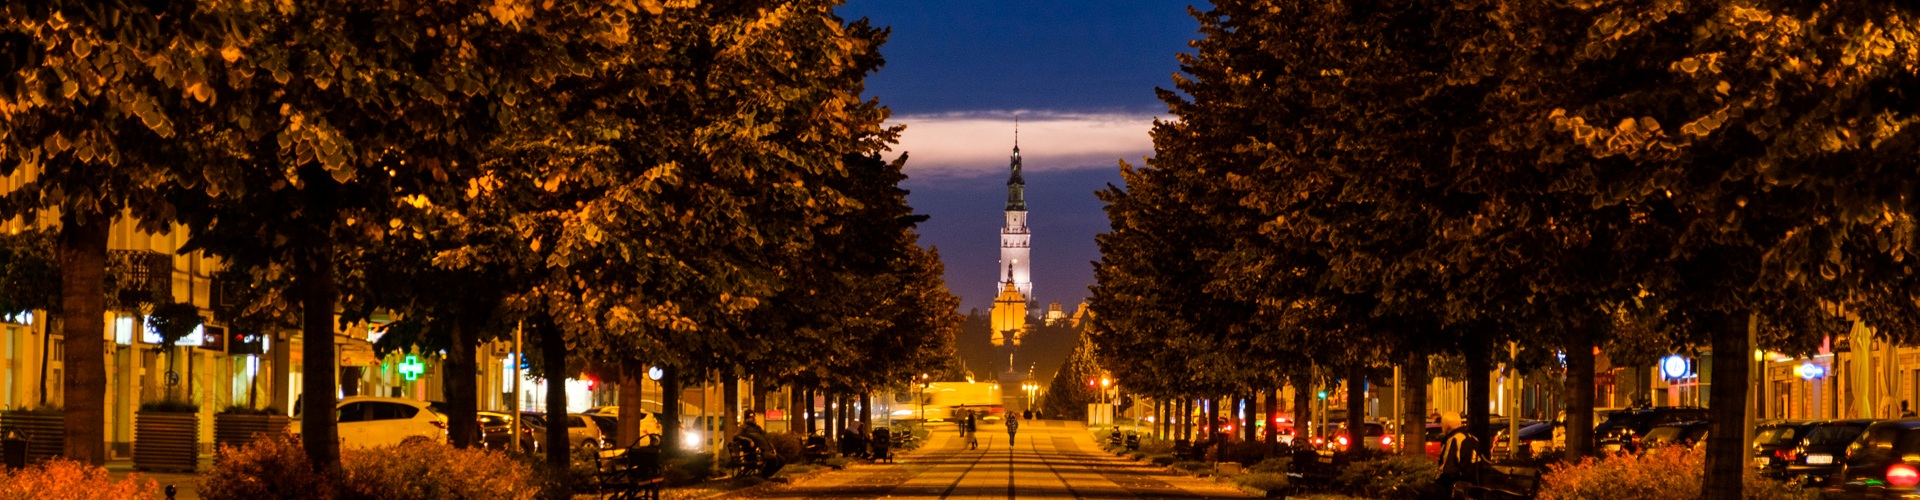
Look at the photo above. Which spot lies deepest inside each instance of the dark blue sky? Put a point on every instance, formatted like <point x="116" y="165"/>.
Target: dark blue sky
<point x="989" y="60"/>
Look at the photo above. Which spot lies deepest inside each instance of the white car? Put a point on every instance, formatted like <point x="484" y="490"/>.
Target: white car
<point x="649" y="422"/>
<point x="367" y="422"/>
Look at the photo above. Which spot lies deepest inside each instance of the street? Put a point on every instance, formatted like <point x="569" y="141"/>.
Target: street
<point x="1048" y="459"/>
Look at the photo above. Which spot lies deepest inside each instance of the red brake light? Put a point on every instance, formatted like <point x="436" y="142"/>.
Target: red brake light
<point x="1902" y="475"/>
<point x="1386" y="440"/>
<point x="1787" y="455"/>
<point x="1342" y="440"/>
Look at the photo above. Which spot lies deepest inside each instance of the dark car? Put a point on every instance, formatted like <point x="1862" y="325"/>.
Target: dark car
<point x="1624" y="429"/>
<point x="1686" y="434"/>
<point x="1882" y="463"/>
<point x="1535" y="436"/>
<point x="495" y="434"/>
<point x="1821" y="455"/>
<point x="1774" y="442"/>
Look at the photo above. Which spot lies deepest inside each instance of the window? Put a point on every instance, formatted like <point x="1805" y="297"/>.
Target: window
<point x="352" y="412"/>
<point x="390" y="411"/>
<point x="576" y="421"/>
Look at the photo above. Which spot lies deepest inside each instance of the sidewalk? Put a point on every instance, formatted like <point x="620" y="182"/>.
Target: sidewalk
<point x="186" y="484"/>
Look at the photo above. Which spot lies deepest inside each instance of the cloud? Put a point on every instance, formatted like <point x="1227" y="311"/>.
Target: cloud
<point x="976" y="144"/>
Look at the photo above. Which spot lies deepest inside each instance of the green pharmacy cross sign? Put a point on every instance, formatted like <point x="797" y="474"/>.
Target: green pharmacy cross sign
<point x="411" y="368"/>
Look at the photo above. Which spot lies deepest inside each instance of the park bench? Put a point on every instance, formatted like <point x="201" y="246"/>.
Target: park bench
<point x="1501" y="482"/>
<point x="1184" y="449"/>
<point x="631" y="473"/>
<point x="1314" y="468"/>
<point x="743" y="457"/>
<point x="815" y="449"/>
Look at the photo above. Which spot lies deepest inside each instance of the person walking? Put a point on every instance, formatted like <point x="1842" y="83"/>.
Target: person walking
<point x="971" y="430"/>
<point x="1013" y="426"/>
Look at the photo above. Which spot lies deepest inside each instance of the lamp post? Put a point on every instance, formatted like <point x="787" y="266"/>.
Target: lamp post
<point x="923" y="397"/>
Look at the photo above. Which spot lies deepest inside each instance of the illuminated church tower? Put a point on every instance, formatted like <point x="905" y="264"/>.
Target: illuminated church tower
<point x="1015" y="241"/>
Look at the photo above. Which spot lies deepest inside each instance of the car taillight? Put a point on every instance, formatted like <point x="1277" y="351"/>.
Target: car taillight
<point x="1902" y="475"/>
<point x="1342" y="440"/>
<point x="1787" y="455"/>
<point x="1386" y="440"/>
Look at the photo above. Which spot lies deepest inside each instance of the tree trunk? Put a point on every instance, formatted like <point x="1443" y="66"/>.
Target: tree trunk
<point x="812" y="427"/>
<point x="730" y="396"/>
<point x="1303" y="404"/>
<point x="1213" y="420"/>
<point x="83" y="269"/>
<point x="1273" y="420"/>
<point x="670" y="409"/>
<point x="463" y="398"/>
<point x="1186" y="418"/>
<point x="866" y="409"/>
<point x="553" y="355"/>
<point x="1413" y="426"/>
<point x="1248" y="427"/>
<point x="1726" y="455"/>
<point x="759" y="389"/>
<point x="46" y="345"/>
<point x="1479" y="392"/>
<point x="832" y="422"/>
<point x="1579" y="421"/>
<point x="318" y="427"/>
<point x="632" y="399"/>
<point x="1357" y="408"/>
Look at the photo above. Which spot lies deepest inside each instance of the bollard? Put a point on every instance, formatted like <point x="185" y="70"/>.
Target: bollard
<point x="13" y="450"/>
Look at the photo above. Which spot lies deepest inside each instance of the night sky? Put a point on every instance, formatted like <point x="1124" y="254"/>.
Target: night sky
<point x="1080" y="74"/>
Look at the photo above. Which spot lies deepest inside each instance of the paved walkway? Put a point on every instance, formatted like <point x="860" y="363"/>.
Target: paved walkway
<point x="1048" y="460"/>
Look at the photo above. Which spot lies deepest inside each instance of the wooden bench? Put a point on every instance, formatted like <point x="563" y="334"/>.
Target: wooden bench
<point x="1499" y="482"/>
<point x="632" y="473"/>
<point x="1314" y="468"/>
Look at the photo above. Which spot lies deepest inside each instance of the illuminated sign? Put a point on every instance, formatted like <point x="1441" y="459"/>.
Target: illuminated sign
<point x="1809" y="371"/>
<point x="411" y="368"/>
<point x="1673" y="366"/>
<point x="654" y="373"/>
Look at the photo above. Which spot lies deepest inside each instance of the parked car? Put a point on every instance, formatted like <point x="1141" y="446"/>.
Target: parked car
<point x="587" y="431"/>
<point x="1688" y="434"/>
<point x="1884" y="462"/>
<point x="1374" y="438"/>
<point x="1536" y="437"/>
<point x="498" y="430"/>
<point x="1624" y="429"/>
<point x="1774" y="442"/>
<point x="1823" y="453"/>
<point x="367" y="421"/>
<point x="649" y="422"/>
<point x="1560" y="425"/>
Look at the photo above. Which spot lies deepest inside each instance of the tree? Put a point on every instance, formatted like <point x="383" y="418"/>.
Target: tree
<point x="89" y="96"/>
<point x="1073" y="388"/>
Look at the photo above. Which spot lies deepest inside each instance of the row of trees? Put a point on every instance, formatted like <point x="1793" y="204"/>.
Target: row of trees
<point x="691" y="185"/>
<point x="1370" y="182"/>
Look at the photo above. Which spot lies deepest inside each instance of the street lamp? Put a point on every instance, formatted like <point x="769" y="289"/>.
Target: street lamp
<point x="924" y="382"/>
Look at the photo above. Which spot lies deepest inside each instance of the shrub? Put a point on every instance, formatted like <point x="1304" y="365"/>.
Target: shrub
<point x="276" y="467"/>
<point x="917" y="430"/>
<point x="270" y="467"/>
<point x="434" y="471"/>
<point x="837" y="462"/>
<point x="1163" y="459"/>
<point x="1669" y="472"/>
<point x="684" y="468"/>
<point x="170" y="405"/>
<point x="1155" y="446"/>
<point x="245" y="410"/>
<point x="1397" y="476"/>
<point x="798" y="469"/>
<point x="62" y="479"/>
<point x="1275" y="465"/>
<point x="1245" y="452"/>
<point x="1263" y="481"/>
<point x="1193" y="466"/>
<point x="788" y="444"/>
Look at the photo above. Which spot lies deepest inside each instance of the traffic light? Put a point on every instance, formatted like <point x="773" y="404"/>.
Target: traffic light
<point x="1322" y="395"/>
<point x="1093" y="383"/>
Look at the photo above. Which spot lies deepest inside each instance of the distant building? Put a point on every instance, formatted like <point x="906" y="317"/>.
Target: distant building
<point x="1011" y="302"/>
